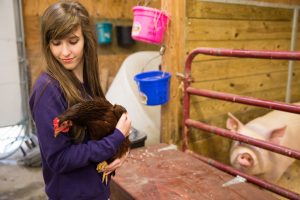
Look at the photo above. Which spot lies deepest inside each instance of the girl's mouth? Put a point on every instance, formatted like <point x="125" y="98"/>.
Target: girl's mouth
<point x="69" y="60"/>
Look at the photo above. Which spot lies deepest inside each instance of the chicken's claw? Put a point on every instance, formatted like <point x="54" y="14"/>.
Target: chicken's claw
<point x="100" y="167"/>
<point x="105" y="177"/>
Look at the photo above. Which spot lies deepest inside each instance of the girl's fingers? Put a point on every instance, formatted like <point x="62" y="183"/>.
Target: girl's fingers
<point x="116" y="163"/>
<point x="124" y="124"/>
<point x="113" y="166"/>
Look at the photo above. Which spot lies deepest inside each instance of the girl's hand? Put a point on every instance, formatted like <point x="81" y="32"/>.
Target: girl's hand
<point x="115" y="164"/>
<point x="124" y="124"/>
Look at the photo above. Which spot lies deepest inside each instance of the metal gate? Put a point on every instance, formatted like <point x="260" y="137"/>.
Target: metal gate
<point x="187" y="122"/>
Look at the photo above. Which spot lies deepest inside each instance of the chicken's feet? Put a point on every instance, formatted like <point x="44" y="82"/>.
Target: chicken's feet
<point x="100" y="167"/>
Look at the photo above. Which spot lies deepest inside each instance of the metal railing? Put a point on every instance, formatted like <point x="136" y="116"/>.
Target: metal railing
<point x="187" y="122"/>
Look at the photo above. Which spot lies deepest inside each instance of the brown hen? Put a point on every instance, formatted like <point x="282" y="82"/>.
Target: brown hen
<point x="99" y="117"/>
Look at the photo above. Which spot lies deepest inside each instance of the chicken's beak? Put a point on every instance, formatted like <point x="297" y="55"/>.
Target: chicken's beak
<point x="56" y="132"/>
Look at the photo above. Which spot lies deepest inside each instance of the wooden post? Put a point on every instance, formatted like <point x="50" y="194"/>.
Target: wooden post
<point x="173" y="62"/>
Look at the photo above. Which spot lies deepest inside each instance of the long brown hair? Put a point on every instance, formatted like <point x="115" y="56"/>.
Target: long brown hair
<point x="58" y="21"/>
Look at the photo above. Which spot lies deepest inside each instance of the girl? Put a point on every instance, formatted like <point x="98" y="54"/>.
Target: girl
<point x="70" y="49"/>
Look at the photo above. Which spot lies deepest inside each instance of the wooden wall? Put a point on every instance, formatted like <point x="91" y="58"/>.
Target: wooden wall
<point x="118" y="12"/>
<point x="193" y="24"/>
<point x="222" y="25"/>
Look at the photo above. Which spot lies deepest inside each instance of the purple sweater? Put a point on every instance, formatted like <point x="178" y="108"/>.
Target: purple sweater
<point x="69" y="169"/>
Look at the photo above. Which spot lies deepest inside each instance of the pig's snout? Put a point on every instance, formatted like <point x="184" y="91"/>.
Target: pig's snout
<point x="245" y="160"/>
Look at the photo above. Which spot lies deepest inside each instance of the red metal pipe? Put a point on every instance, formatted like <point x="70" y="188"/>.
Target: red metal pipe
<point x="280" y="55"/>
<point x="249" y="140"/>
<point x="245" y="100"/>
<point x="252" y="179"/>
<point x="186" y="113"/>
<point x="186" y="100"/>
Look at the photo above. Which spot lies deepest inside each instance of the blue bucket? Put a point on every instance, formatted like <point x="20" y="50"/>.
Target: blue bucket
<point x="154" y="87"/>
<point x="104" y="32"/>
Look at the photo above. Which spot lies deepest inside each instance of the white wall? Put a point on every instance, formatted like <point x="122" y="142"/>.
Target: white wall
<point x="10" y="92"/>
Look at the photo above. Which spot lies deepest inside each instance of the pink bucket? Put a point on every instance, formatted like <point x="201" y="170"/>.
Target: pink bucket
<point x="149" y="24"/>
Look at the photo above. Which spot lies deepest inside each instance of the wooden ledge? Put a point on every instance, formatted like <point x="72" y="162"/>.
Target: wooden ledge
<point x="153" y="173"/>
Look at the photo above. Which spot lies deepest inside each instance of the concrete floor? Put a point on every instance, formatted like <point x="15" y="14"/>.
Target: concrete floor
<point x="23" y="183"/>
<point x="18" y="182"/>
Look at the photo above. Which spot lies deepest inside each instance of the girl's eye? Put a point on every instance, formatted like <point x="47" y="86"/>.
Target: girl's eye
<point x="55" y="42"/>
<point x="73" y="41"/>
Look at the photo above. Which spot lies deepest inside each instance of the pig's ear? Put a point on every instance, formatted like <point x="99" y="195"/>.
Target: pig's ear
<point x="277" y="134"/>
<point x="233" y="123"/>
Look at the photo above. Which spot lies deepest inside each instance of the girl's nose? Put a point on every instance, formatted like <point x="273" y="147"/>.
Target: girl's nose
<point x="65" y="50"/>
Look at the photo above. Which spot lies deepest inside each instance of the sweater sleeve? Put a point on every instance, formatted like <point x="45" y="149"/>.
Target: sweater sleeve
<point x="60" y="153"/>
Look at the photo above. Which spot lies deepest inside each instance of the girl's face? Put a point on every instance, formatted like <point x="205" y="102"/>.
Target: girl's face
<point x="69" y="52"/>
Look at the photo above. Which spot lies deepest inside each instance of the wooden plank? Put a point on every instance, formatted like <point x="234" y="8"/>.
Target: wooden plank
<point x="36" y="64"/>
<point x="286" y="2"/>
<point x="209" y="109"/>
<point x="229" y="68"/>
<point x="122" y="9"/>
<point x="35" y="70"/>
<point x="115" y="49"/>
<point x="153" y="173"/>
<point x="279" y="45"/>
<point x="108" y="68"/>
<point x="103" y="76"/>
<point x="208" y="10"/>
<point x="32" y="34"/>
<point x="214" y="112"/>
<point x="228" y="29"/>
<point x="97" y="8"/>
<point x="215" y="147"/>
<point x="248" y="84"/>
<point x="36" y="7"/>
<point x="173" y="60"/>
<point x="111" y="62"/>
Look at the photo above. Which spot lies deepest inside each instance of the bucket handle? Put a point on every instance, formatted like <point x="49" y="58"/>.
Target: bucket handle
<point x="161" y="53"/>
<point x="146" y="2"/>
<point x="157" y="16"/>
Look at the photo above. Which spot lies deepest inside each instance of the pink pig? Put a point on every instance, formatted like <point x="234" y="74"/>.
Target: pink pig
<point x="277" y="127"/>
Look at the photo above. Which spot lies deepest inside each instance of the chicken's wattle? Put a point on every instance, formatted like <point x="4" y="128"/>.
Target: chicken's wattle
<point x="59" y="129"/>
